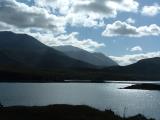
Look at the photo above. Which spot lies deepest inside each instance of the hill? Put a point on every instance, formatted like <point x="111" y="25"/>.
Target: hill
<point x="25" y="59"/>
<point x="145" y="69"/>
<point x="61" y="112"/>
<point x="23" y="50"/>
<point x="97" y="59"/>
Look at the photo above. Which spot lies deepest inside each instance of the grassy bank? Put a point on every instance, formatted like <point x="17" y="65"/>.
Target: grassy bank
<point x="60" y="112"/>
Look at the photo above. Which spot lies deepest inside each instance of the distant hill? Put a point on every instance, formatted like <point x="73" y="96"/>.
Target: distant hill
<point x="143" y="69"/>
<point x="97" y="59"/>
<point x="25" y="59"/>
<point x="24" y="50"/>
<point x="145" y="66"/>
<point x="148" y="66"/>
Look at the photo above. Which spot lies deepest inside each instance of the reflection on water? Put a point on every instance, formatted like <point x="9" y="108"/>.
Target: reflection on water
<point x="99" y="95"/>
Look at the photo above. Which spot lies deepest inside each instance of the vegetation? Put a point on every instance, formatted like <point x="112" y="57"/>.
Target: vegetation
<point x="16" y="74"/>
<point x="61" y="112"/>
<point x="31" y="75"/>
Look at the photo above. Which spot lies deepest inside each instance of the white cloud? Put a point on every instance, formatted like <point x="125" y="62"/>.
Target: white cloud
<point x="130" y="21"/>
<point x="57" y="14"/>
<point x="124" y="5"/>
<point x="40" y="23"/>
<point x="119" y="28"/>
<point x="5" y="27"/>
<point x="21" y="15"/>
<point x="44" y="3"/>
<point x="88" y="13"/>
<point x="49" y="39"/>
<point x="60" y="6"/>
<point x="71" y="39"/>
<point x="136" y="49"/>
<point x="151" y="10"/>
<point x="130" y="59"/>
<point x="94" y="10"/>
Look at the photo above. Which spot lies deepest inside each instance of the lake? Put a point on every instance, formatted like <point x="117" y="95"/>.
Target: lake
<point x="99" y="95"/>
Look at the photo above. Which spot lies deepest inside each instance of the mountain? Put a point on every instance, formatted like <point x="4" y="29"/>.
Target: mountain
<point x="22" y="50"/>
<point x="25" y="59"/>
<point x="146" y="66"/>
<point x="145" y="69"/>
<point x="5" y="60"/>
<point x="97" y="59"/>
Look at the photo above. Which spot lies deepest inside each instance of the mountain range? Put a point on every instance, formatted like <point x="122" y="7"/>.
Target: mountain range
<point x="97" y="59"/>
<point x="25" y="51"/>
<point x="24" y="58"/>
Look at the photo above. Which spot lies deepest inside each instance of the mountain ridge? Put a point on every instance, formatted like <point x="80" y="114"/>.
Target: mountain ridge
<point x="94" y="58"/>
<point x="28" y="50"/>
<point x="25" y="59"/>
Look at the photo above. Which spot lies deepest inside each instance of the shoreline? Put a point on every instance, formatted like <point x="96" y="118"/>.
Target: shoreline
<point x="144" y="86"/>
<point x="85" y="81"/>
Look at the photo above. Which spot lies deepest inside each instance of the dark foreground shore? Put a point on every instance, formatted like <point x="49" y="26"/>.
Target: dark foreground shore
<point x="60" y="112"/>
<point x="145" y="86"/>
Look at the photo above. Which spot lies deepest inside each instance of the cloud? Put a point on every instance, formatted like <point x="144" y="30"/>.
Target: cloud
<point x="57" y="14"/>
<point x="88" y="13"/>
<point x="55" y="6"/>
<point x="151" y="10"/>
<point x="136" y="49"/>
<point x="41" y="23"/>
<point x="130" y="21"/>
<point x="95" y="10"/>
<point x="24" y="16"/>
<point x="100" y="9"/>
<point x="49" y="39"/>
<point x="119" y="28"/>
<point x="68" y="39"/>
<point x="44" y="3"/>
<point x="124" y="5"/>
<point x="5" y="27"/>
<point x="130" y="59"/>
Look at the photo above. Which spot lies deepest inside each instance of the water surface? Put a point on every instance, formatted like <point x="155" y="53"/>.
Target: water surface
<point x="99" y="95"/>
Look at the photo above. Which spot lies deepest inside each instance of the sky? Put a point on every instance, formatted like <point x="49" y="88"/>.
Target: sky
<point x="124" y="30"/>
